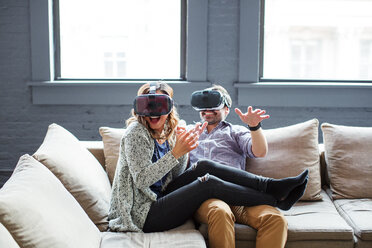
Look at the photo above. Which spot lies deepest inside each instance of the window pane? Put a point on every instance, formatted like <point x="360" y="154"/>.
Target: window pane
<point x="318" y="39"/>
<point x="120" y="39"/>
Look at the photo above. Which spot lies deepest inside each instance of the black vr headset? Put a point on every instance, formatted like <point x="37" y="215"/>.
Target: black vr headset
<point x="208" y="100"/>
<point x="152" y="104"/>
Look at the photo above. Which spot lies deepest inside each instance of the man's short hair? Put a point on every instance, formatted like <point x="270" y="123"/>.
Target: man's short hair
<point x="224" y="93"/>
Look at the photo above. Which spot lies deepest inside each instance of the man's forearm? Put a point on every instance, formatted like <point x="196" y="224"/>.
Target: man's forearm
<point x="259" y="143"/>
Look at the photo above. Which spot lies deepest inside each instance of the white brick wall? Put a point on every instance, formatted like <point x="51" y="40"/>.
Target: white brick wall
<point x="23" y="125"/>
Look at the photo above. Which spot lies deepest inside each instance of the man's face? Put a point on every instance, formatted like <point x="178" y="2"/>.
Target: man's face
<point x="214" y="116"/>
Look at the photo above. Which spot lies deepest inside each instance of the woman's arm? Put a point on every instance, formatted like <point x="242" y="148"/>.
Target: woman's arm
<point x="137" y="151"/>
<point x="181" y="167"/>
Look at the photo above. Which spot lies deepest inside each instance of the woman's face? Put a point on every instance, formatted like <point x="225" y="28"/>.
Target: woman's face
<point x="157" y="122"/>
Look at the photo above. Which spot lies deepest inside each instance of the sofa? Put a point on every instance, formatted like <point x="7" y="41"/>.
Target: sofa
<point x="59" y="196"/>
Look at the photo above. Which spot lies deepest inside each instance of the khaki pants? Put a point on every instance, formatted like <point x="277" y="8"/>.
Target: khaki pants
<point x="269" y="222"/>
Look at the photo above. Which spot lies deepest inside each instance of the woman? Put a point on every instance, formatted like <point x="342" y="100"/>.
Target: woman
<point x="151" y="189"/>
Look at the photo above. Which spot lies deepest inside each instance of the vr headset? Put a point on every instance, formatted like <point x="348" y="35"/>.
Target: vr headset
<point x="208" y="100"/>
<point x="152" y="104"/>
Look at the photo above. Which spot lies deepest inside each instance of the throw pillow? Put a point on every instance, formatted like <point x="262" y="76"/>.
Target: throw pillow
<point x="349" y="160"/>
<point x="38" y="211"/>
<point x="6" y="239"/>
<point x="78" y="170"/>
<point x="292" y="149"/>
<point x="111" y="144"/>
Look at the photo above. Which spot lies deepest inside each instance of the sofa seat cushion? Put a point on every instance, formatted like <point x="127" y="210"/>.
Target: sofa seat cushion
<point x="182" y="236"/>
<point x="38" y="211"/>
<point x="317" y="221"/>
<point x="358" y="214"/>
<point x="359" y="243"/>
<point x="169" y="239"/>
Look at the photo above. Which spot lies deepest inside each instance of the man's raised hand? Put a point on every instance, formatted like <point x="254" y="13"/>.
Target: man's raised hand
<point x="253" y="116"/>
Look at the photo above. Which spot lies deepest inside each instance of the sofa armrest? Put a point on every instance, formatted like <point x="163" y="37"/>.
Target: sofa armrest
<point x="96" y="148"/>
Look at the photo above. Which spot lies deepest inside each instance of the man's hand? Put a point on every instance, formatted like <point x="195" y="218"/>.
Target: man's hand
<point x="252" y="117"/>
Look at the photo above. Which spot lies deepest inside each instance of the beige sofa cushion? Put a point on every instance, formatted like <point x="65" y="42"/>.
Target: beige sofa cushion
<point x="291" y="150"/>
<point x="348" y="153"/>
<point x="317" y="221"/>
<point x="111" y="144"/>
<point x="358" y="214"/>
<point x="182" y="236"/>
<point x="78" y="170"/>
<point x="38" y="211"/>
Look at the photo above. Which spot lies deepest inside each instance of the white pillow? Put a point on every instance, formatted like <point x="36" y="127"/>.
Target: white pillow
<point x="38" y="211"/>
<point x="6" y="239"/>
<point x="79" y="171"/>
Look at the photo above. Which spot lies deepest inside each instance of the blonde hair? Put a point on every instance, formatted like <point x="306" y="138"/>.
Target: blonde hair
<point x="172" y="120"/>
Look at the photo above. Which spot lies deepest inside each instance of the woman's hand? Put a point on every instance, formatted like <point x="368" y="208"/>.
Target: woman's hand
<point x="199" y="128"/>
<point x="252" y="117"/>
<point x="187" y="140"/>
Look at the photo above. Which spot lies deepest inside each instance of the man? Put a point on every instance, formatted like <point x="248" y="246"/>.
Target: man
<point x="230" y="145"/>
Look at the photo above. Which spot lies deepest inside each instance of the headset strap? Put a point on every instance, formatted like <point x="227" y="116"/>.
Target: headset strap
<point x="153" y="86"/>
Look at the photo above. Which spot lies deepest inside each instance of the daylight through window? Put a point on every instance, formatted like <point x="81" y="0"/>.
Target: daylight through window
<point x="119" y="39"/>
<point x="317" y="39"/>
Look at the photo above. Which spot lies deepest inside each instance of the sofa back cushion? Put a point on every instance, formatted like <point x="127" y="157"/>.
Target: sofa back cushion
<point x="291" y="150"/>
<point x="348" y="153"/>
<point x="78" y="170"/>
<point x="38" y="211"/>
<point x="111" y="144"/>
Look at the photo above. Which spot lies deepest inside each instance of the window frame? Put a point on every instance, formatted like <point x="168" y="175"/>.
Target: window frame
<point x="47" y="89"/>
<point x="254" y="90"/>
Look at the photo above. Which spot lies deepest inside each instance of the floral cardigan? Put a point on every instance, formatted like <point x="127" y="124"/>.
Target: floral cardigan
<point x="131" y="196"/>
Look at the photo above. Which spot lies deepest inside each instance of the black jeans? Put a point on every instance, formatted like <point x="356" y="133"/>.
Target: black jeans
<point x="205" y="180"/>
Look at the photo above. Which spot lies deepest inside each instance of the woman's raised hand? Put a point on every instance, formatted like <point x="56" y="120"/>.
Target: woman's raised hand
<point x="199" y="128"/>
<point x="187" y="140"/>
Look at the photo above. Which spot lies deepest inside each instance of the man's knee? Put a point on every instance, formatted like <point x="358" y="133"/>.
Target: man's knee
<point x="221" y="214"/>
<point x="262" y="216"/>
<point x="215" y="210"/>
<point x="276" y="220"/>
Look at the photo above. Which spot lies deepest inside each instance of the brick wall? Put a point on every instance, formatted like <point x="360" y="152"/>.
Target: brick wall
<point x="23" y="125"/>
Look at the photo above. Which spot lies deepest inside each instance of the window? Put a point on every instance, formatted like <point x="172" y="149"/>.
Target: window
<point x="47" y="89"/>
<point x="119" y="39"/>
<point x="366" y="58"/>
<point x="317" y="40"/>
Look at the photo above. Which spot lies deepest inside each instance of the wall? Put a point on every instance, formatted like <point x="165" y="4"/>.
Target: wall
<point x="23" y="125"/>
